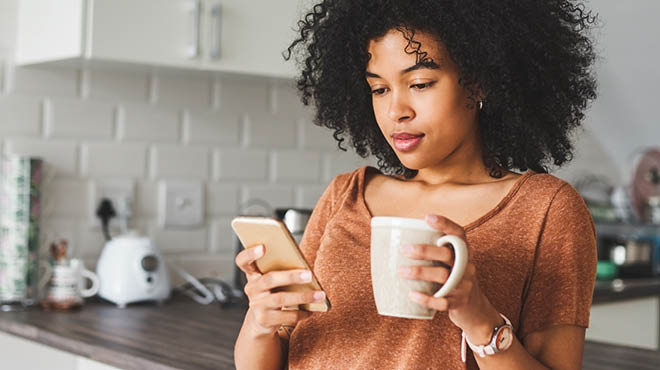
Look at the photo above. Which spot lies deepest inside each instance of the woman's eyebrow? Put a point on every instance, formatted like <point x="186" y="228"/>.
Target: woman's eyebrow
<point x="420" y="65"/>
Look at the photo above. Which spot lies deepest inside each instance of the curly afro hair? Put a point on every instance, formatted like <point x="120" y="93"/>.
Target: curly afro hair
<point x="531" y="59"/>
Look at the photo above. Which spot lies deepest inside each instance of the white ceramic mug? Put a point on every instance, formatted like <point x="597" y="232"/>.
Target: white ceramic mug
<point x="388" y="235"/>
<point x="69" y="280"/>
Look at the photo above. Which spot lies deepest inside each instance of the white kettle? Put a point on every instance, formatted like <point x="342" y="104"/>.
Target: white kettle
<point x="132" y="269"/>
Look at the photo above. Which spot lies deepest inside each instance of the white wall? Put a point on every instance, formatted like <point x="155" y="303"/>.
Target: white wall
<point x="241" y="137"/>
<point x="251" y="137"/>
<point x="624" y="118"/>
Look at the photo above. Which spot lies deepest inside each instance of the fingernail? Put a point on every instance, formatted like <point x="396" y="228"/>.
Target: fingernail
<point x="405" y="271"/>
<point x="407" y="249"/>
<point x="319" y="296"/>
<point x="306" y="276"/>
<point x="432" y="218"/>
<point x="259" y="251"/>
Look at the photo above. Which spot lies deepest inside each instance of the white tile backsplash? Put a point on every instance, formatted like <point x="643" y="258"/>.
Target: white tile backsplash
<point x="181" y="162"/>
<point x="222" y="199"/>
<point x="275" y="195"/>
<point x="295" y="166"/>
<point x="151" y="123"/>
<point x="213" y="128"/>
<point x="118" y="87"/>
<point x="75" y="118"/>
<point x="184" y="91"/>
<point x="40" y="81"/>
<point x="20" y="115"/>
<point x="62" y="154"/>
<point x="241" y="164"/>
<point x="244" y="138"/>
<point x="103" y="159"/>
<point x="270" y="131"/>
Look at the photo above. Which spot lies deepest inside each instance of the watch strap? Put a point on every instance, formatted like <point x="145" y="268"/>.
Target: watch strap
<point x="484" y="350"/>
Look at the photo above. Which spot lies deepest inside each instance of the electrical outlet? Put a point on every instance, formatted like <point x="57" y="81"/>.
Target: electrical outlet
<point x="180" y="204"/>
<point x="113" y="189"/>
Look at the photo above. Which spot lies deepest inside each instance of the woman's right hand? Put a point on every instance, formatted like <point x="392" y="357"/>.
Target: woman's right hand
<point x="266" y="307"/>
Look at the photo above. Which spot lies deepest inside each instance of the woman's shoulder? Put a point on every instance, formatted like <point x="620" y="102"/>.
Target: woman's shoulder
<point x="543" y="191"/>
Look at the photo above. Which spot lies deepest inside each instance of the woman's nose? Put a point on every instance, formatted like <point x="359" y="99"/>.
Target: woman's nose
<point x="400" y="109"/>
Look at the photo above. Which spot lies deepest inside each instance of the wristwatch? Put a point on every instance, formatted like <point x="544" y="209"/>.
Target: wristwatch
<point x="499" y="342"/>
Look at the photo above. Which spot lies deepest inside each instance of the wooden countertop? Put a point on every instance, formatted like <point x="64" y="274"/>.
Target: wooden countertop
<point x="182" y="334"/>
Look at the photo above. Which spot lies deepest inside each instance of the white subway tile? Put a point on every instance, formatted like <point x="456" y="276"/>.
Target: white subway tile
<point x="222" y="199"/>
<point x="118" y="86"/>
<point x="274" y="195"/>
<point x="295" y="166"/>
<point x="146" y="199"/>
<point x="223" y="240"/>
<point x="46" y="81"/>
<point x="287" y="100"/>
<point x="242" y="164"/>
<point x="151" y="123"/>
<point x="315" y="137"/>
<point x="213" y="127"/>
<point x="307" y="196"/>
<point x="202" y="265"/>
<point x="68" y="197"/>
<point x="243" y="95"/>
<point x="61" y="155"/>
<point x="74" y="118"/>
<point x="270" y="131"/>
<point x="181" y="161"/>
<point x="114" y="159"/>
<point x="20" y="115"/>
<point x="340" y="162"/>
<point x="184" y="91"/>
<point x="182" y="240"/>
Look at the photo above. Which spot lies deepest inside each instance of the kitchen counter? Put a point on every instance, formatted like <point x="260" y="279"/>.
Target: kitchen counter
<point x="625" y="289"/>
<point x="182" y="334"/>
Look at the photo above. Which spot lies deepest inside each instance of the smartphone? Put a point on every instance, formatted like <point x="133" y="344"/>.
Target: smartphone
<point x="281" y="252"/>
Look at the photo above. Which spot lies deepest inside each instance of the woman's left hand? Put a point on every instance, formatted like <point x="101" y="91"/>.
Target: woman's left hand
<point x="467" y="306"/>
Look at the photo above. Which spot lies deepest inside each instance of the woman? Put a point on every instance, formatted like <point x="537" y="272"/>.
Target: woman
<point x="450" y="96"/>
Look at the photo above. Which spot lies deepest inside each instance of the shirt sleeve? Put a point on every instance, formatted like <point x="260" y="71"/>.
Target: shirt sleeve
<point x="560" y="287"/>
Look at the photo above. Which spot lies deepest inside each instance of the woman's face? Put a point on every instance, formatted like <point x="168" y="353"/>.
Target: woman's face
<point x="424" y="101"/>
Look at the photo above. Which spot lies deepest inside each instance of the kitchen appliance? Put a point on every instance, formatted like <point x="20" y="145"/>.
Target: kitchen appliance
<point x="131" y="268"/>
<point x="633" y="256"/>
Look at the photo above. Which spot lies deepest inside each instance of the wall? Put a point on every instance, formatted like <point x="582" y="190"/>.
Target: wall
<point x="243" y="138"/>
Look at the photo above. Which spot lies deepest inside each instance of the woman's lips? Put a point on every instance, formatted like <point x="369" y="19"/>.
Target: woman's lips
<point x="405" y="143"/>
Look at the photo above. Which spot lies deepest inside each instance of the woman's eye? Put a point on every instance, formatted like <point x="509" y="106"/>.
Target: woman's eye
<point x="423" y="86"/>
<point x="380" y="91"/>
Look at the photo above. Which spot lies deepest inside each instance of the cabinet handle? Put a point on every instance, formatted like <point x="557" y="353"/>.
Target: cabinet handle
<point x="216" y="15"/>
<point x="195" y="29"/>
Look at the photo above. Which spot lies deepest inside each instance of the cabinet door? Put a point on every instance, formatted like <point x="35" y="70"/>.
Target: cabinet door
<point x="147" y="31"/>
<point x="252" y="35"/>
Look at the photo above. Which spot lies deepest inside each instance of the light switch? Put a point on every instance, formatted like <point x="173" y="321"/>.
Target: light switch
<point x="180" y="204"/>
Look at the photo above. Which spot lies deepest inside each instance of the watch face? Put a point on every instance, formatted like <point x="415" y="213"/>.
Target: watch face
<point x="504" y="338"/>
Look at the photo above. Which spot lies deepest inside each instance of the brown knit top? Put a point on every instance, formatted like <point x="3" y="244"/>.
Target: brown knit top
<point x="535" y="256"/>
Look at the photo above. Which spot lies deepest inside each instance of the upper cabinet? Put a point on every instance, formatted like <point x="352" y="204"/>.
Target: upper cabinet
<point x="235" y="36"/>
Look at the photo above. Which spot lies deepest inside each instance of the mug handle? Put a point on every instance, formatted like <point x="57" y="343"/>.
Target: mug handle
<point x="95" y="283"/>
<point x="460" y="262"/>
<point x="47" y="274"/>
